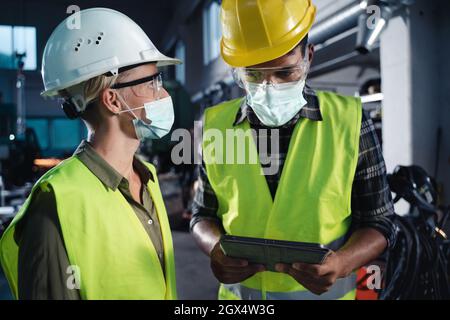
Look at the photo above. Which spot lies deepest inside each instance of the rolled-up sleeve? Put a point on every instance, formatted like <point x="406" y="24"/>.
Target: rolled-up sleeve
<point x="372" y="204"/>
<point x="205" y="203"/>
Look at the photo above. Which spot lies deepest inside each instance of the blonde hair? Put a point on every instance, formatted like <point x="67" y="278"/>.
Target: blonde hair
<point x="93" y="87"/>
<point x="91" y="90"/>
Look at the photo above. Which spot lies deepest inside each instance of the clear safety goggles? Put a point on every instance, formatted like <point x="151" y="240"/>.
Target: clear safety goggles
<point x="274" y="76"/>
<point x="149" y="87"/>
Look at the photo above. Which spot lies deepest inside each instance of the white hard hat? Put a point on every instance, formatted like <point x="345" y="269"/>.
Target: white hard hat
<point x="105" y="41"/>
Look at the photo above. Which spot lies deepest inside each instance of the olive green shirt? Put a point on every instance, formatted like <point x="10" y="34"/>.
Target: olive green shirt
<point x="43" y="261"/>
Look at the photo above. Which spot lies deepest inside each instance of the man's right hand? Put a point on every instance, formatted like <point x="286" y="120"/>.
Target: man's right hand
<point x="230" y="270"/>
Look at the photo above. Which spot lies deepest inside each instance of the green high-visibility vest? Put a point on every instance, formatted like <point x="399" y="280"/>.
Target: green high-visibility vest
<point x="111" y="255"/>
<point x="312" y="202"/>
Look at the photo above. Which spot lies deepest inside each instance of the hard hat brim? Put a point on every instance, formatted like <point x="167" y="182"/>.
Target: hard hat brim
<point x="161" y="61"/>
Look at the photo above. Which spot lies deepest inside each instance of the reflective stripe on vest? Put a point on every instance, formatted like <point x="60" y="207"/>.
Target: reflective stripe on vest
<point x="341" y="287"/>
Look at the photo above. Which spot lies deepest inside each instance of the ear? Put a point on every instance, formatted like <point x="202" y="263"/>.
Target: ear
<point x="110" y="99"/>
<point x="310" y="52"/>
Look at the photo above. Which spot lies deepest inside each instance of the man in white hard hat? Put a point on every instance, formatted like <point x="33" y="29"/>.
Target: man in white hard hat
<point x="95" y="226"/>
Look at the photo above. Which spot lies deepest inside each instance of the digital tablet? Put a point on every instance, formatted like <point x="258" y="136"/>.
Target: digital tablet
<point x="270" y="252"/>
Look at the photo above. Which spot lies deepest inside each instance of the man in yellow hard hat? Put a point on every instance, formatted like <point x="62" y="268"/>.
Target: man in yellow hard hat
<point x="330" y="184"/>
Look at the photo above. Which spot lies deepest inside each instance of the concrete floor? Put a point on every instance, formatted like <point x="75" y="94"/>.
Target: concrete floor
<point x="4" y="288"/>
<point x="194" y="277"/>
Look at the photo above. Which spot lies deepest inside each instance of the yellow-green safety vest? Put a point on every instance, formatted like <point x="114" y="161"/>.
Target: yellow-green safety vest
<point x="313" y="198"/>
<point x="107" y="246"/>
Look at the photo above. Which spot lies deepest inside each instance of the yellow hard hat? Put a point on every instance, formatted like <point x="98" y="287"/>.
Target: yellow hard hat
<point x="257" y="31"/>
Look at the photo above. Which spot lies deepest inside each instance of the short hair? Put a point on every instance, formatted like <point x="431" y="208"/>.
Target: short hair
<point x="92" y="89"/>
<point x="303" y="44"/>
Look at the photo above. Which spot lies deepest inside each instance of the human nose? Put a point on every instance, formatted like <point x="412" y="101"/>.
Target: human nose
<point x="270" y="78"/>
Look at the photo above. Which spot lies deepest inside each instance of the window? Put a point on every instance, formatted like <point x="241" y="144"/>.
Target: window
<point x="17" y="40"/>
<point x="57" y="136"/>
<point x="180" y="70"/>
<point x="212" y="32"/>
<point x="40" y="127"/>
<point x="65" y="134"/>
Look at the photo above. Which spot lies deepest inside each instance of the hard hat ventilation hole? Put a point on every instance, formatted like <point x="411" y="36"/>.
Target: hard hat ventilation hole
<point x="78" y="45"/>
<point x="99" y="38"/>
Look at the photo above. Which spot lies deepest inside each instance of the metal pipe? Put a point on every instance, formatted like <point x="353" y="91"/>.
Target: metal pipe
<point x="319" y="69"/>
<point x="353" y="15"/>
<point x="339" y="22"/>
<point x="368" y="34"/>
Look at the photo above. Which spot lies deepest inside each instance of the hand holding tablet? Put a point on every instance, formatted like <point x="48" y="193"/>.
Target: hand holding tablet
<point x="270" y="252"/>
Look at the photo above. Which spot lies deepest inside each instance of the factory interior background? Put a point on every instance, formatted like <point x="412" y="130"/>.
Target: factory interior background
<point x="402" y="78"/>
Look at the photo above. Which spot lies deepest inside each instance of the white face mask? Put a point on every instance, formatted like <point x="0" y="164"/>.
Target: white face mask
<point x="160" y="115"/>
<point x="275" y="105"/>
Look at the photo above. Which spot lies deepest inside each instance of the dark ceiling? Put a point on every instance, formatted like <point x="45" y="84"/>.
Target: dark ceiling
<point x="153" y="16"/>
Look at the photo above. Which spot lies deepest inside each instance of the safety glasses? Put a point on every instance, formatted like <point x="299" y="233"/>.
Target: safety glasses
<point x="274" y="76"/>
<point x="149" y="87"/>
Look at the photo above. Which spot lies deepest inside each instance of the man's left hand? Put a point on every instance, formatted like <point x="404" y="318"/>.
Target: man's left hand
<point x="317" y="278"/>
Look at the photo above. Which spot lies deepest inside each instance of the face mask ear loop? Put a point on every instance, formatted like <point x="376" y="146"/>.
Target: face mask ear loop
<point x="126" y="105"/>
<point x="247" y="89"/>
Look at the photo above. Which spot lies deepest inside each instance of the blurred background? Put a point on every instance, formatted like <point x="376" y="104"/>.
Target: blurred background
<point x="399" y="67"/>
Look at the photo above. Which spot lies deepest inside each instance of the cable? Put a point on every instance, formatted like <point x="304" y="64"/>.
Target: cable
<point x="417" y="266"/>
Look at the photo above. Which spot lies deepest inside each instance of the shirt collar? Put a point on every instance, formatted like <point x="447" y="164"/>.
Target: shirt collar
<point x="310" y="111"/>
<point x="104" y="171"/>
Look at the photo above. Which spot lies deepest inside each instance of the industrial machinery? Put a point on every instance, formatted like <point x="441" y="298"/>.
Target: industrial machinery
<point x="18" y="150"/>
<point x="417" y="267"/>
